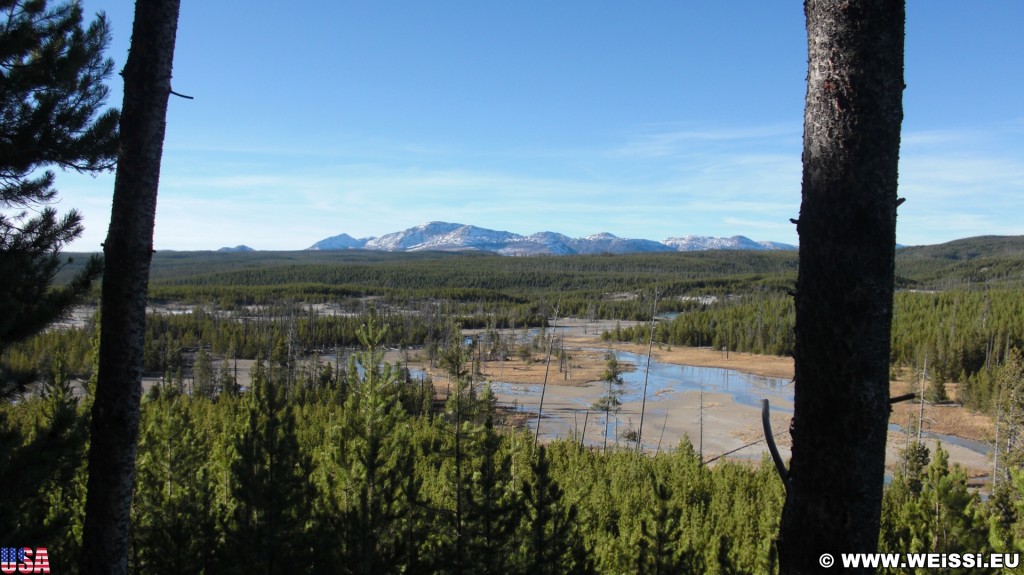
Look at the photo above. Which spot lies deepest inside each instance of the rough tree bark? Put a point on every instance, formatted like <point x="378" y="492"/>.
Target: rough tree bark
<point x="844" y="292"/>
<point x="127" y="253"/>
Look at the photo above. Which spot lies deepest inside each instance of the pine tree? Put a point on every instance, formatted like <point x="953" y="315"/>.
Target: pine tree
<point x="378" y="490"/>
<point x="203" y="384"/>
<point x="936" y="392"/>
<point x="42" y="468"/>
<point x="1009" y="381"/>
<point x="271" y="487"/>
<point x="661" y="531"/>
<point x="415" y="525"/>
<point x="609" y="403"/>
<point x="492" y="507"/>
<point x="226" y="382"/>
<point x="460" y="409"/>
<point x="943" y="517"/>
<point x="52" y="97"/>
<point x="915" y="461"/>
<point x="553" y="543"/>
<point x="174" y="522"/>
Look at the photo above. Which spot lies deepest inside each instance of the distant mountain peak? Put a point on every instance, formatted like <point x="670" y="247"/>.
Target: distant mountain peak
<point x="447" y="236"/>
<point x="240" y="248"/>
<point x="698" y="243"/>
<point x="339" y="242"/>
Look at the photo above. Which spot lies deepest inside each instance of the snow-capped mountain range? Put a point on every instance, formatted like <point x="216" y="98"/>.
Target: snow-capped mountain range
<point x="446" y="236"/>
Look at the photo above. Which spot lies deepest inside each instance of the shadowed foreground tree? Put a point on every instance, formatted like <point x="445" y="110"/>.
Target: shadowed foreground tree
<point x="270" y="483"/>
<point x="844" y="293"/>
<point x="52" y="92"/>
<point x="127" y="252"/>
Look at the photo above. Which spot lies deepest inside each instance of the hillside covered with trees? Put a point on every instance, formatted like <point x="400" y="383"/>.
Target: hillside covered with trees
<point x="307" y="464"/>
<point x="361" y="470"/>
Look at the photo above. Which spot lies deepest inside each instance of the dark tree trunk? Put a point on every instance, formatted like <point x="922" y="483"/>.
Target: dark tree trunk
<point x="127" y="252"/>
<point x="844" y="291"/>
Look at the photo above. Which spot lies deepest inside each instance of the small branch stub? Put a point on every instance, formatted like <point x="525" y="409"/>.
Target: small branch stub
<point x="904" y="397"/>
<point x="769" y="437"/>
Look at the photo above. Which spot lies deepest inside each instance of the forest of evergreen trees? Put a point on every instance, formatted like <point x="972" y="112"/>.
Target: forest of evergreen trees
<point x="360" y="471"/>
<point x="965" y="335"/>
<point x="356" y="467"/>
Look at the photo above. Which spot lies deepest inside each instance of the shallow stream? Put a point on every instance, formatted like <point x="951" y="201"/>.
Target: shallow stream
<point x="666" y="379"/>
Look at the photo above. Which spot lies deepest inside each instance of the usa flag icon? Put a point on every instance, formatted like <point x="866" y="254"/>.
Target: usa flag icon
<point x="24" y="560"/>
<point x="10" y="557"/>
<point x="12" y="554"/>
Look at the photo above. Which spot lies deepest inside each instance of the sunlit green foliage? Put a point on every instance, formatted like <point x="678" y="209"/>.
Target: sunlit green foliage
<point x="929" y="509"/>
<point x="350" y="474"/>
<point x="339" y="465"/>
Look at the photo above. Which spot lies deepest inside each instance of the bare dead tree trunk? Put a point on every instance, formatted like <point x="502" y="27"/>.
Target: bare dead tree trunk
<point x="127" y="253"/>
<point x="844" y="291"/>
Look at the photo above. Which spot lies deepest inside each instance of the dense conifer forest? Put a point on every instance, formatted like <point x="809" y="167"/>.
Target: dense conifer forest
<point x="354" y="465"/>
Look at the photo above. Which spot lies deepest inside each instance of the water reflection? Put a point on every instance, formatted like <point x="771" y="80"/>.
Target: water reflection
<point x="666" y="379"/>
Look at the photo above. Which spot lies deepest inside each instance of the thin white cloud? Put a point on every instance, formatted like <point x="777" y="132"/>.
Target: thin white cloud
<point x="667" y="141"/>
<point x="654" y="185"/>
<point x="961" y="183"/>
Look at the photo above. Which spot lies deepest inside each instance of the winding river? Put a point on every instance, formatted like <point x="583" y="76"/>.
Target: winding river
<point x="666" y="379"/>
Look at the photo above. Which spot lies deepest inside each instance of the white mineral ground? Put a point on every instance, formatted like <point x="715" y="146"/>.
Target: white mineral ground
<point x="729" y="427"/>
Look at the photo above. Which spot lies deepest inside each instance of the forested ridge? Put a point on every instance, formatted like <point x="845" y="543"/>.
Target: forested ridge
<point x="972" y="262"/>
<point x="960" y="305"/>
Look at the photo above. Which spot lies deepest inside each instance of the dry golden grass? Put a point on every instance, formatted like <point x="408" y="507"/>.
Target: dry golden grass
<point x="766" y="365"/>
<point x="584" y="366"/>
<point x="587" y="364"/>
<point x="947" y="419"/>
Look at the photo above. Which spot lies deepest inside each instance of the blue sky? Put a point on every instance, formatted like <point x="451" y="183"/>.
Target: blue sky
<point x="645" y="119"/>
